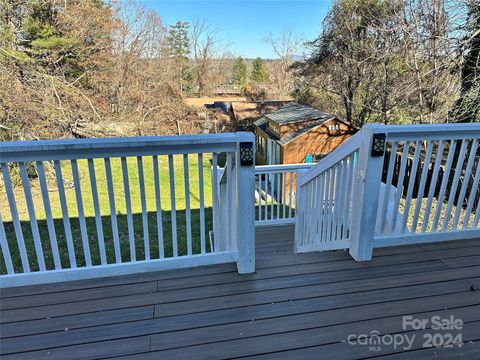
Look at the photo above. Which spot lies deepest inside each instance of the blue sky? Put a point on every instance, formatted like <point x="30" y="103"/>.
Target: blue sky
<point x="245" y="24"/>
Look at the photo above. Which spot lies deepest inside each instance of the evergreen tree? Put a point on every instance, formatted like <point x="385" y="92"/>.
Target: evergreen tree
<point x="178" y="40"/>
<point x="179" y="48"/>
<point x="55" y="64"/>
<point x="240" y="72"/>
<point x="51" y="37"/>
<point x="259" y="71"/>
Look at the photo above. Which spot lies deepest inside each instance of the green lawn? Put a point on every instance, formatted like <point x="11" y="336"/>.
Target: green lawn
<point x="120" y="210"/>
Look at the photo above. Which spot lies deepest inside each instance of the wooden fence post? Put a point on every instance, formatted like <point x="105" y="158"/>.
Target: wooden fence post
<point x="245" y="202"/>
<point x="366" y="196"/>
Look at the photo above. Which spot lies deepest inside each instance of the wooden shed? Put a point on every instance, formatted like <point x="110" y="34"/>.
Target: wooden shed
<point x="297" y="133"/>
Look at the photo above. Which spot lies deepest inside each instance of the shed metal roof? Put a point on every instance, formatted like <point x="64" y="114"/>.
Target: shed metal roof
<point x="294" y="112"/>
<point x="262" y="124"/>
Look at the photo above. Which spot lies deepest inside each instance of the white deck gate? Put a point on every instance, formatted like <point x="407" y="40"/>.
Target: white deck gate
<point x="325" y="200"/>
<point x="25" y="248"/>
<point x="275" y="193"/>
<point x="421" y="186"/>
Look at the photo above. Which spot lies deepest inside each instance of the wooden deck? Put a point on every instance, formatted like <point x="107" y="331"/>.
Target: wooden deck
<point x="294" y="307"/>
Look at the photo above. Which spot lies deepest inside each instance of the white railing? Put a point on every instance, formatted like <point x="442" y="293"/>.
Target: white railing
<point x="436" y="193"/>
<point x="102" y="207"/>
<point x="325" y="194"/>
<point x="422" y="187"/>
<point x="275" y="190"/>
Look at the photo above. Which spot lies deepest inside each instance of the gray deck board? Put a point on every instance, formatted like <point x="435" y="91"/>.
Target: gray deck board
<point x="251" y="329"/>
<point x="340" y="350"/>
<point x="285" y="340"/>
<point x="294" y="306"/>
<point x="79" y="321"/>
<point x="77" y="295"/>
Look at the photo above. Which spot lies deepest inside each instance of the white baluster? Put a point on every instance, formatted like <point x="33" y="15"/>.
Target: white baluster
<point x="81" y="213"/>
<point x="174" y="209"/>
<point x="128" y="206"/>
<point x="33" y="219"/>
<point x="433" y="185"/>
<point x="202" y="203"/>
<point x="188" y="219"/>
<point x="158" y="203"/>
<point x="143" y="200"/>
<point x="5" y="249"/>
<point x="66" y="218"/>
<point x="113" y="211"/>
<point x="446" y="176"/>
<point x="48" y="214"/>
<point x="98" y="214"/>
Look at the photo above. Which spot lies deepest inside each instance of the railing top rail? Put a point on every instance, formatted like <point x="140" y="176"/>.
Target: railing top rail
<point x="115" y="142"/>
<point x="424" y="128"/>
<point x="342" y="151"/>
<point x="426" y="131"/>
<point x="36" y="150"/>
<point x="260" y="169"/>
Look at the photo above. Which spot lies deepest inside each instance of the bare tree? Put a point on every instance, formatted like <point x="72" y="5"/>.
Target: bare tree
<point x="396" y="61"/>
<point x="430" y="51"/>
<point x="467" y="107"/>
<point x="82" y="68"/>
<point x="145" y="78"/>
<point x="285" y="46"/>
<point x="138" y="36"/>
<point x="205" y="45"/>
<point x="352" y="62"/>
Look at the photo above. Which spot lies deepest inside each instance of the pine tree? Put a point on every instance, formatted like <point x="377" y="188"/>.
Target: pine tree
<point x="179" y="48"/>
<point x="240" y="72"/>
<point x="178" y="40"/>
<point x="259" y="71"/>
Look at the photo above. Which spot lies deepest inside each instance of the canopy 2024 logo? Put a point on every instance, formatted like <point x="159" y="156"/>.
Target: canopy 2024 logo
<point x="435" y="331"/>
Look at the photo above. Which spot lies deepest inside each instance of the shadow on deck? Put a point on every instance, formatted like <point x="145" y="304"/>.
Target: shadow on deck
<point x="294" y="307"/>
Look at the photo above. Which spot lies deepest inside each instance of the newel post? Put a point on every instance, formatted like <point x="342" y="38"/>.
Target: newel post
<point x="367" y="192"/>
<point x="245" y="202"/>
